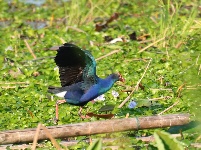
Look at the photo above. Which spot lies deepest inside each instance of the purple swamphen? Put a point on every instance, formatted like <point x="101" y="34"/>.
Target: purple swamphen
<point x="80" y="84"/>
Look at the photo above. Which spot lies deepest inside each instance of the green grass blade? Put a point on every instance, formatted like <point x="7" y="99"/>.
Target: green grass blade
<point x="165" y="141"/>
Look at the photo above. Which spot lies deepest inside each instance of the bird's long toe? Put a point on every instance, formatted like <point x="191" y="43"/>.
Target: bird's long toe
<point x="55" y="120"/>
<point x="85" y="117"/>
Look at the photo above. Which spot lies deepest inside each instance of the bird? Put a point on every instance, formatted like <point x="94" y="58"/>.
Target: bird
<point x="79" y="81"/>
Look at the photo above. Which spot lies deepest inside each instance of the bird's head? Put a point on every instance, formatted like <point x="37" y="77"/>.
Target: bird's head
<point x="117" y="77"/>
<point x="120" y="77"/>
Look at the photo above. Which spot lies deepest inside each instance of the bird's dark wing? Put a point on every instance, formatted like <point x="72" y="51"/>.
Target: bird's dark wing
<point x="75" y="65"/>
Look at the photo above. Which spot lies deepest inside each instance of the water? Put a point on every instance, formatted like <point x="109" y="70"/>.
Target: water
<point x="36" y="2"/>
<point x="36" y="24"/>
<point x="5" y="23"/>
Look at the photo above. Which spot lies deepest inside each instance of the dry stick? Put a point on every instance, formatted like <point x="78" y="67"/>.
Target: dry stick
<point x="30" y="50"/>
<point x="198" y="139"/>
<point x="76" y="29"/>
<point x="122" y="104"/>
<point x="199" y="70"/>
<point x="179" y="44"/>
<point x="51" y="138"/>
<point x="51" y="20"/>
<point x="196" y="145"/>
<point x="137" y="59"/>
<point x="96" y="127"/>
<point x="188" y="86"/>
<point x="15" y="49"/>
<point x="169" y="108"/>
<point x="167" y="52"/>
<point x="34" y="42"/>
<point x="36" y="137"/>
<point x="12" y="87"/>
<point x="159" y="98"/>
<point x="196" y="62"/>
<point x="192" y="87"/>
<point x="127" y="115"/>
<point x="164" y="42"/>
<point x="162" y="89"/>
<point x="112" y="52"/>
<point x="179" y="89"/>
<point x="14" y="82"/>
<point x="154" y="20"/>
<point x="151" y="45"/>
<point x="62" y="40"/>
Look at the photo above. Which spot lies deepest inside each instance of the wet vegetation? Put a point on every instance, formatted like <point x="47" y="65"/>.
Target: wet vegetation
<point x="156" y="41"/>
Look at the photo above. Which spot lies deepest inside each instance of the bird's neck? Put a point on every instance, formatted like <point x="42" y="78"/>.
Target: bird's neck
<point x="106" y="83"/>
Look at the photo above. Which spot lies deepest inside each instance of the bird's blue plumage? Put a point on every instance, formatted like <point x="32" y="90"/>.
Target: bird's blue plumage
<point x="78" y="77"/>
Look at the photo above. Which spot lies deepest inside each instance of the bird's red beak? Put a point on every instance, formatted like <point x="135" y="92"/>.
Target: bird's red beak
<point x="121" y="78"/>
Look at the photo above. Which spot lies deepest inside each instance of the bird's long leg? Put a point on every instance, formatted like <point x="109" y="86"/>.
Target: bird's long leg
<point x="84" y="117"/>
<point x="80" y="111"/>
<point x="57" y="107"/>
<point x="93" y="101"/>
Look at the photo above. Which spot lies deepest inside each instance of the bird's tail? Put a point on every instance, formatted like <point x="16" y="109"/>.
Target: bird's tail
<point x="58" y="91"/>
<point x="55" y="90"/>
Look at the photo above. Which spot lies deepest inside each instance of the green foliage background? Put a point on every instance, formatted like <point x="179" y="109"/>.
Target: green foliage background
<point x="175" y="59"/>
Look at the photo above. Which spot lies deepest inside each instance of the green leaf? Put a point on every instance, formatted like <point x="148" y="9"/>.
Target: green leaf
<point x="106" y="108"/>
<point x="165" y="141"/>
<point x="97" y="145"/>
<point x="159" y="142"/>
<point x="145" y="102"/>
